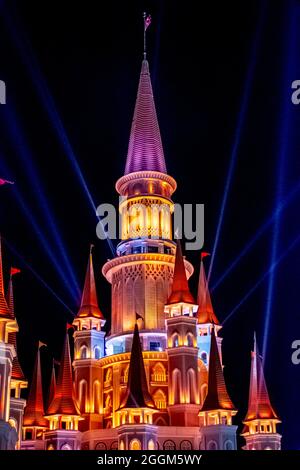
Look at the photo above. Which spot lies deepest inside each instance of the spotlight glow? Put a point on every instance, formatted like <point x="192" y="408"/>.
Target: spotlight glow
<point x="237" y="137"/>
<point x="262" y="229"/>
<point x="40" y="279"/>
<point x="269" y="272"/>
<point x="22" y="44"/>
<point x="19" y="141"/>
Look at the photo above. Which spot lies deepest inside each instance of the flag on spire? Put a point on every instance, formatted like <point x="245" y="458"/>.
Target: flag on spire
<point x="2" y="182"/>
<point x="4" y="309"/>
<point x="14" y="271"/>
<point x="147" y="21"/>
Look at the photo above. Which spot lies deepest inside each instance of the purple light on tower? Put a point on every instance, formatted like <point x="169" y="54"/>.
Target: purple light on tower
<point x="145" y="150"/>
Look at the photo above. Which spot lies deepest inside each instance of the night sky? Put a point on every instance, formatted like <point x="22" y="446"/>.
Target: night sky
<point x="222" y="79"/>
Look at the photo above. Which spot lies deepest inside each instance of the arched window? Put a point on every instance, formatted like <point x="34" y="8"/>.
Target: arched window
<point x="122" y="445"/>
<point x="191" y="386"/>
<point x="185" y="445"/>
<point x="114" y="445"/>
<point x="190" y="339"/>
<point x="212" y="445"/>
<point x="100" y="446"/>
<point x="108" y="405"/>
<point x="96" y="396"/>
<point x="160" y="400"/>
<point x="66" y="447"/>
<point x="108" y="375"/>
<point x="203" y="392"/>
<point x="160" y="422"/>
<point x="151" y="445"/>
<point x="83" y="351"/>
<point x="97" y="352"/>
<point x="83" y="395"/>
<point x="135" y="444"/>
<point x="158" y="373"/>
<point x="124" y="376"/>
<point x="50" y="447"/>
<point x="13" y="423"/>
<point x="228" y="445"/>
<point x="176" y="386"/>
<point x="175" y="340"/>
<point x="169" y="445"/>
<point x="203" y="357"/>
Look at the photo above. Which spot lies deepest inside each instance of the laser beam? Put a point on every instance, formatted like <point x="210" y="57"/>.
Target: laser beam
<point x="261" y="230"/>
<point x="269" y="272"/>
<point x="19" y="141"/>
<point x="38" y="277"/>
<point x="238" y="133"/>
<point x="23" y="46"/>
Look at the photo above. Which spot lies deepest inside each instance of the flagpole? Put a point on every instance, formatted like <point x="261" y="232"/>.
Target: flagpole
<point x="144" y="24"/>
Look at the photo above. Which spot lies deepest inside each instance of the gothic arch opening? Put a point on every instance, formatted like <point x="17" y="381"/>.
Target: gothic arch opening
<point x="135" y="444"/>
<point x="83" y="395"/>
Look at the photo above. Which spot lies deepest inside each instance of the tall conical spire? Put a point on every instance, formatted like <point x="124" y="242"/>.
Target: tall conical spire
<point x="137" y="393"/>
<point x="217" y="397"/>
<point x="4" y="309"/>
<point x="64" y="402"/>
<point x="17" y="372"/>
<point x="52" y="389"/>
<point x="34" y="411"/>
<point x="180" y="288"/>
<point x="89" y="303"/>
<point x="205" y="312"/>
<point x="145" y="150"/>
<point x="259" y="406"/>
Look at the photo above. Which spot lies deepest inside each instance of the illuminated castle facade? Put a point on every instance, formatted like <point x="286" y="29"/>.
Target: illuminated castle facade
<point x="156" y="380"/>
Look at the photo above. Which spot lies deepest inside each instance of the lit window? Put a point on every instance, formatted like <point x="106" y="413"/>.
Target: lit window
<point x="155" y="346"/>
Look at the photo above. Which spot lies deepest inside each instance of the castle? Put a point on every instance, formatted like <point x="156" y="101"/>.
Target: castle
<point x="155" y="381"/>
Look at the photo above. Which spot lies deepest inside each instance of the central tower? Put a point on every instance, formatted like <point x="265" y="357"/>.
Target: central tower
<point x="142" y="272"/>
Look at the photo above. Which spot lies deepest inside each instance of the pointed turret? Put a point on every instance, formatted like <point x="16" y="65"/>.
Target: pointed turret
<point x="137" y="393"/>
<point x="64" y="402"/>
<point x="52" y="389"/>
<point x="34" y="411"/>
<point x="206" y="312"/>
<point x="261" y="420"/>
<point x="180" y="288"/>
<point x="217" y="397"/>
<point x="259" y="406"/>
<point x="89" y="302"/>
<point x="145" y="151"/>
<point x="17" y="373"/>
<point x="4" y="309"/>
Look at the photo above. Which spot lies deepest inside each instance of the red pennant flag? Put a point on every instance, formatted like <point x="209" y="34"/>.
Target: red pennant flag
<point x="2" y="182"/>
<point x="138" y="317"/>
<point x="69" y="326"/>
<point x="147" y="22"/>
<point x="14" y="271"/>
<point x="204" y="254"/>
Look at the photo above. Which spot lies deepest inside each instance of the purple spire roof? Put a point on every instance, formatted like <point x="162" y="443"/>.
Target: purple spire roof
<point x="145" y="150"/>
